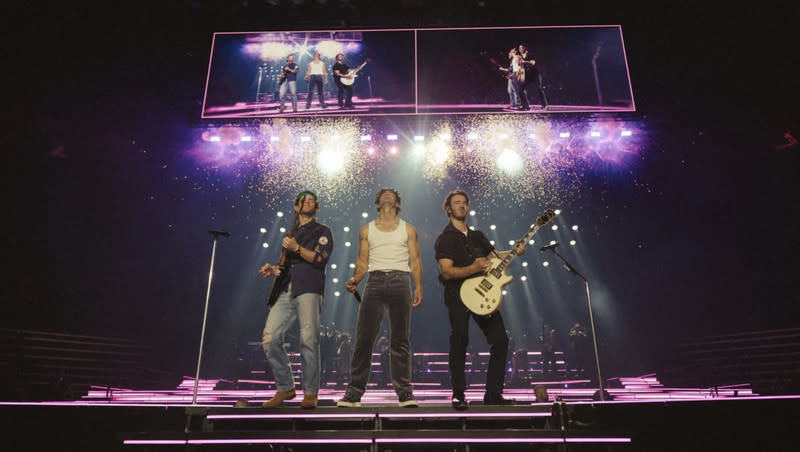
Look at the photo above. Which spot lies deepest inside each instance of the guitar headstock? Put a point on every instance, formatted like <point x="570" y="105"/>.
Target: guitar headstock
<point x="546" y="217"/>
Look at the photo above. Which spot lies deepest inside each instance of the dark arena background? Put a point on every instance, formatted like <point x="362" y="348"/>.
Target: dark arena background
<point x="668" y="150"/>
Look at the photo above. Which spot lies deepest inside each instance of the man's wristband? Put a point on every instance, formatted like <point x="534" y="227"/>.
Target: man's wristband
<point x="298" y="249"/>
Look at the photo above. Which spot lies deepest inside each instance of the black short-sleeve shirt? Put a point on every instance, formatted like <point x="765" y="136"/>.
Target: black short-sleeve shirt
<point x="462" y="249"/>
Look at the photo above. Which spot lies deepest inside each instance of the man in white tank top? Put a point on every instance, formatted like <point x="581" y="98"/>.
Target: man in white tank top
<point x="316" y="75"/>
<point x="388" y="247"/>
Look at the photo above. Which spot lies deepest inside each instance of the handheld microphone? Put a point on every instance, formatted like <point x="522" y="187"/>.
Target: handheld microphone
<point x="549" y="247"/>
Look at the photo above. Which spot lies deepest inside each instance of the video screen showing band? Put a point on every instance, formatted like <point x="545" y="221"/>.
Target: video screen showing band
<point x="310" y="73"/>
<point x="518" y="70"/>
<point x="418" y="71"/>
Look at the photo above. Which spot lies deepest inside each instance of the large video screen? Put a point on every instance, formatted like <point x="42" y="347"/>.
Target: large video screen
<point x="517" y="70"/>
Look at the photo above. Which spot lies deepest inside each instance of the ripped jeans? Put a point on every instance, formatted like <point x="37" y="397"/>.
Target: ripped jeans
<point x="307" y="308"/>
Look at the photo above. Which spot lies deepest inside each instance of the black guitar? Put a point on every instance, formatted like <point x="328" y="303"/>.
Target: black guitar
<point x="281" y="274"/>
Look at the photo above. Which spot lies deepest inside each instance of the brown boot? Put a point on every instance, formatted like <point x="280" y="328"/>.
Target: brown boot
<point x="278" y="398"/>
<point x="309" y="401"/>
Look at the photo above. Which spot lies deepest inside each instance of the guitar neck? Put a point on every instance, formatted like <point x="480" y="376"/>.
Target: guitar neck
<point x="513" y="253"/>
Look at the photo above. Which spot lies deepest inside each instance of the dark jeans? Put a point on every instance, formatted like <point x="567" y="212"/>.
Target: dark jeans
<point x="315" y="81"/>
<point x="536" y="79"/>
<point x="385" y="291"/>
<point x="345" y="95"/>
<point x="495" y="331"/>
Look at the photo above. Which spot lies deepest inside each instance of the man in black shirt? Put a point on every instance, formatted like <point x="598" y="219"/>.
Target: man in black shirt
<point x="345" y="92"/>
<point x="532" y="77"/>
<point x="463" y="253"/>
<point x="288" y="80"/>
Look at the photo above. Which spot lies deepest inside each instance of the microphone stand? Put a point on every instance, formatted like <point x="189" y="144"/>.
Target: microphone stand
<point x="572" y="270"/>
<point x="216" y="235"/>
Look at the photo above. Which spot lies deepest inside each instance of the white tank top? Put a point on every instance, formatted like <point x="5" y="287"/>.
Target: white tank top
<point x="388" y="251"/>
<point x="316" y="68"/>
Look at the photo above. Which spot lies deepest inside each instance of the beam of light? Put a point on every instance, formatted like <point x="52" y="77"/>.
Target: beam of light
<point x="329" y="49"/>
<point x="572" y="242"/>
<point x="419" y="150"/>
<point x="282" y="230"/>
<point x="279" y="214"/>
<point x="364" y="214"/>
<point x="265" y="245"/>
<point x="558" y="211"/>
<point x="346" y="229"/>
<point x="331" y="162"/>
<point x="493" y="227"/>
<point x="419" y="137"/>
<point x="333" y="266"/>
<point x="472" y="213"/>
<point x="263" y="230"/>
<point x="391" y="137"/>
<point x="564" y="135"/>
<point x="574" y="227"/>
<point x="525" y="264"/>
<point x="545" y="264"/>
<point x="246" y="138"/>
<point x="215" y="138"/>
<point x="509" y="161"/>
<point x="555" y="227"/>
<point x="531" y="242"/>
<point x="594" y="133"/>
<point x="626" y="133"/>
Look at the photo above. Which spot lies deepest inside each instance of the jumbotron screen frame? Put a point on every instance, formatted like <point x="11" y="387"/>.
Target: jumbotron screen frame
<point x="421" y="71"/>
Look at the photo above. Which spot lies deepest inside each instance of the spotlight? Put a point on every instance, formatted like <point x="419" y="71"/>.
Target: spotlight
<point x="625" y="133"/>
<point x="283" y="230"/>
<point x="572" y="242"/>
<point x="246" y="138"/>
<point x="545" y="264"/>
<point x="393" y="150"/>
<point x="274" y="138"/>
<point x="419" y="137"/>
<point x="574" y="227"/>
<point x="347" y="229"/>
<point x="333" y="266"/>
<point x="364" y="214"/>
<point x="511" y="242"/>
<point x="352" y="265"/>
<point x="391" y="137"/>
<point x="280" y="214"/>
<point x="509" y="161"/>
<point x="330" y="162"/>
<point x="505" y="292"/>
<point x="564" y="134"/>
<point x="472" y="213"/>
<point x="263" y="230"/>
<point x="552" y="242"/>
<point x="337" y="293"/>
<point x="523" y="278"/>
<point x="305" y="139"/>
<point x="491" y="242"/>
<point x="265" y="245"/>
<point x="366" y="138"/>
<point x="594" y="134"/>
<point x="525" y="264"/>
<point x="472" y="228"/>
<point x="335" y="280"/>
<point x="347" y="243"/>
<point x="555" y="227"/>
<point x="371" y="151"/>
<point x="492" y="227"/>
<point x="215" y="138"/>
<point x="531" y="242"/>
<point x="558" y="211"/>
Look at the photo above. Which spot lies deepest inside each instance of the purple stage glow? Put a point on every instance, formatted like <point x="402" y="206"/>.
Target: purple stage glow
<point x="471" y="151"/>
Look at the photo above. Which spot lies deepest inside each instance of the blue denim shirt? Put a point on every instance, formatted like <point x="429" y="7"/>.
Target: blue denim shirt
<point x="310" y="277"/>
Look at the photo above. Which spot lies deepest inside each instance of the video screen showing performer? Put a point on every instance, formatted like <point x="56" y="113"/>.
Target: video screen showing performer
<point x="255" y="75"/>
<point x="552" y="69"/>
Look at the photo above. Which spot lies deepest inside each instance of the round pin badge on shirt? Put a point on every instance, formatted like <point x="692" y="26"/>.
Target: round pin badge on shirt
<point x="323" y="240"/>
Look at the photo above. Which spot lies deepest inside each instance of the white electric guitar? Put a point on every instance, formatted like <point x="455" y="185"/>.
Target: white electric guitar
<point x="483" y="294"/>
<point x="354" y="73"/>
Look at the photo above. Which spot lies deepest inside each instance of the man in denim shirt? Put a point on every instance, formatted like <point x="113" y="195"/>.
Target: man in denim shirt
<point x="308" y="252"/>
